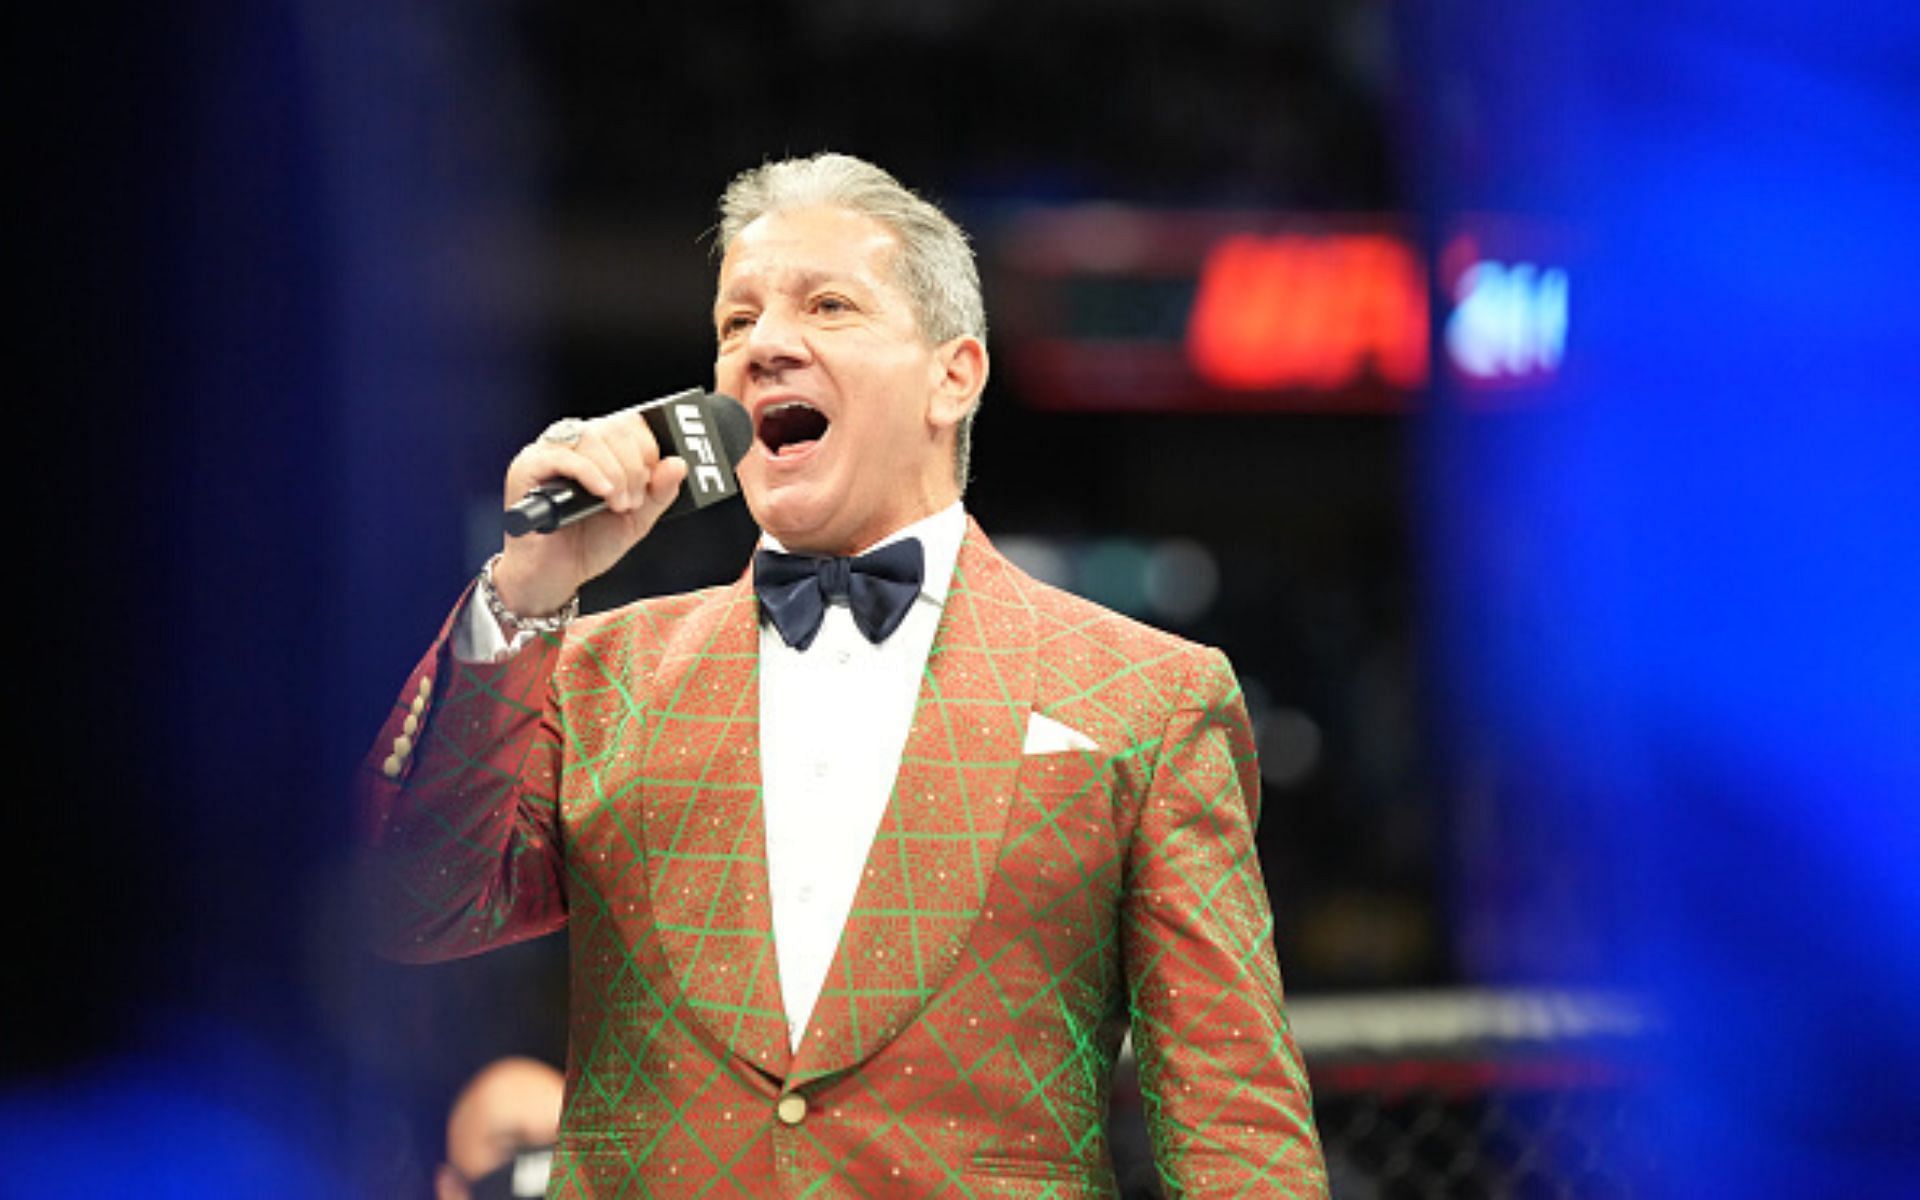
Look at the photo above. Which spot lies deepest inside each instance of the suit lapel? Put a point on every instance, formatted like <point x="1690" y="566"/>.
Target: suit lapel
<point x="933" y="858"/>
<point x="704" y="833"/>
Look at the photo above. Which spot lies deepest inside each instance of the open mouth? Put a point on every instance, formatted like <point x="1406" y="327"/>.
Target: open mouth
<point x="791" y="428"/>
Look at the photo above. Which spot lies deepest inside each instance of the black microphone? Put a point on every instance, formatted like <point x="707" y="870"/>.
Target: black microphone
<point x="709" y="429"/>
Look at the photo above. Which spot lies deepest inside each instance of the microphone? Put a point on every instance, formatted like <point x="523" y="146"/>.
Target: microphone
<point x="710" y="430"/>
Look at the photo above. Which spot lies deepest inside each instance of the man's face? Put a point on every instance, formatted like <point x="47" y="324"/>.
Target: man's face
<point x="512" y="1105"/>
<point x="853" y="410"/>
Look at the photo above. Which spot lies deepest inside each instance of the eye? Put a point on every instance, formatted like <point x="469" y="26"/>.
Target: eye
<point x="831" y="305"/>
<point x="735" y="323"/>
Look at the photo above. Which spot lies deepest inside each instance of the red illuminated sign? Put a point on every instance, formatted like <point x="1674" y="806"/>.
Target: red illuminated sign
<point x="1203" y="310"/>
<point x="1325" y="312"/>
<point x="1109" y="307"/>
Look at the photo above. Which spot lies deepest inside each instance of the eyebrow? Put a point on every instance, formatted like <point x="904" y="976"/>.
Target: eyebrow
<point x="806" y="278"/>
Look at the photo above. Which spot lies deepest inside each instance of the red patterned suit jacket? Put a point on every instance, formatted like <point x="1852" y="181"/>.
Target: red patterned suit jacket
<point x="1018" y="912"/>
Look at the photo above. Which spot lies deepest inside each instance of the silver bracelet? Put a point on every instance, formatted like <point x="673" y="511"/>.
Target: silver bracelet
<point x="513" y="622"/>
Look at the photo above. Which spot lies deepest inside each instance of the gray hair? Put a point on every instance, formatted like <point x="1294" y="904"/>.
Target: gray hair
<point x="935" y="266"/>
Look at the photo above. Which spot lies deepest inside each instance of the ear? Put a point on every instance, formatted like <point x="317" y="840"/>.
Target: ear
<point x="960" y="373"/>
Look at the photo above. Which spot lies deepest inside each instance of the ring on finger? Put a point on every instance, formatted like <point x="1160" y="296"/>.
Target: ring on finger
<point x="564" y="432"/>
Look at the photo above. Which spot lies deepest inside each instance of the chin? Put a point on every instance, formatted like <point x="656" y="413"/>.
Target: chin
<point x="787" y="513"/>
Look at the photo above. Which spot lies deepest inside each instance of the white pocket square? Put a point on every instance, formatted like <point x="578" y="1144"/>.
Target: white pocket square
<point x="1048" y="736"/>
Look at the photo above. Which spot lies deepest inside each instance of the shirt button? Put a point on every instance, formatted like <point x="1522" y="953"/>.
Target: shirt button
<point x="843" y="657"/>
<point x="792" y="1108"/>
<point x="820" y="769"/>
<point x="805" y="894"/>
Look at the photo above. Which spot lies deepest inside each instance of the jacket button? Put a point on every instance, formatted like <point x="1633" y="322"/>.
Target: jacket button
<point x="792" y="1108"/>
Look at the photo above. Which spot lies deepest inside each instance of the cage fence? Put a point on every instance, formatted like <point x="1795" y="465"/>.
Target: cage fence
<point x="1455" y="1095"/>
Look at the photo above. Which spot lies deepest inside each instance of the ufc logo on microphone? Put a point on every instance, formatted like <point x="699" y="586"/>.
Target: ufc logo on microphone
<point x="697" y="447"/>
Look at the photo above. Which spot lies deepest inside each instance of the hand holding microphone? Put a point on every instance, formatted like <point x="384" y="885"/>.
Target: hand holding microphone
<point x="594" y="488"/>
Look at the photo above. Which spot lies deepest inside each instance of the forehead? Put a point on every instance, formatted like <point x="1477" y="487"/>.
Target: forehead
<point x="805" y="245"/>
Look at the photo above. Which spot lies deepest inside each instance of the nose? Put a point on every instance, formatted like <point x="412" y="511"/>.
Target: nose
<point x="775" y="342"/>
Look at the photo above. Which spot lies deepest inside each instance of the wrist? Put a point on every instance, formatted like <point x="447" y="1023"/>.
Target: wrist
<point x="514" y="611"/>
<point x="525" y="588"/>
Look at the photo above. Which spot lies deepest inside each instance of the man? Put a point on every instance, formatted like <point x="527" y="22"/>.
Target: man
<point x="500" y="1130"/>
<point x="862" y="897"/>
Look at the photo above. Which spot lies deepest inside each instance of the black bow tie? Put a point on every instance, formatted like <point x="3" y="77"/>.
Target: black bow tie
<point x="879" y="586"/>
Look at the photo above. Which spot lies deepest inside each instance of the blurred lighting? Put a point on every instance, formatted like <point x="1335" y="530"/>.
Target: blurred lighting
<point x="1290" y="746"/>
<point x="1258" y="699"/>
<point x="1113" y="572"/>
<point x="1182" y="580"/>
<point x="1223" y="310"/>
<point x="1175" y="581"/>
<point x="1677" y="610"/>
<point x="1310" y="311"/>
<point x="1116" y="307"/>
<point x="1463" y="1017"/>
<point x="1039" y="557"/>
<point x="1508" y="321"/>
<point x="214" y="1114"/>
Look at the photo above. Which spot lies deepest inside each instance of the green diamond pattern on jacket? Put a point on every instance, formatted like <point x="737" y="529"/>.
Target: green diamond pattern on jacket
<point x="1017" y="913"/>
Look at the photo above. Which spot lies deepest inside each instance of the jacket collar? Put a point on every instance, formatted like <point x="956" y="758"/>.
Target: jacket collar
<point x="932" y="860"/>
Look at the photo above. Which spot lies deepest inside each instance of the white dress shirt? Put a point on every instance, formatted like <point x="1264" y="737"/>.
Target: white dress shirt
<point x="833" y="722"/>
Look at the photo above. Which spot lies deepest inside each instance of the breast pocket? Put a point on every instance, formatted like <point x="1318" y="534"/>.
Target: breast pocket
<point x="1060" y="859"/>
<point x="1063" y="776"/>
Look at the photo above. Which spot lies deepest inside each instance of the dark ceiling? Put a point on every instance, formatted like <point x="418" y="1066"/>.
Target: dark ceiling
<point x="644" y="110"/>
